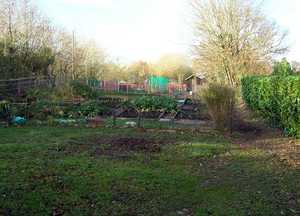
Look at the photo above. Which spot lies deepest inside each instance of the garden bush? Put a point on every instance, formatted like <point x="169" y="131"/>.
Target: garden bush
<point x="282" y="68"/>
<point x="276" y="98"/>
<point x="220" y="101"/>
<point x="92" y="108"/>
<point x="43" y="109"/>
<point x="58" y="93"/>
<point x="83" y="90"/>
<point x="155" y="103"/>
<point x="34" y="94"/>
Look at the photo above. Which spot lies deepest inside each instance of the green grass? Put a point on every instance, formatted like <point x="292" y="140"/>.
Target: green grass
<point x="38" y="176"/>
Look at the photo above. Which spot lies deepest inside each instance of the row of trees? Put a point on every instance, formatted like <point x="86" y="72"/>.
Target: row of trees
<point x="174" y="66"/>
<point x="30" y="45"/>
<point x="233" y="38"/>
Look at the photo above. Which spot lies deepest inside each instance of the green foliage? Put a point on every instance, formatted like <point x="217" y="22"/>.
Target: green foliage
<point x="56" y="94"/>
<point x="282" y="68"/>
<point x="83" y="90"/>
<point x="275" y="98"/>
<point x="5" y="110"/>
<point x="18" y="61"/>
<point x="91" y="108"/>
<point x="39" y="93"/>
<point x="220" y="101"/>
<point x="155" y="103"/>
<point x="43" y="109"/>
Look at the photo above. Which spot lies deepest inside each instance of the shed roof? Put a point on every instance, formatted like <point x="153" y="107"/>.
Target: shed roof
<point x="198" y="75"/>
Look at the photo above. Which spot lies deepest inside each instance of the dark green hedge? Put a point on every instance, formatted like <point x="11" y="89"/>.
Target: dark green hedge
<point x="276" y="98"/>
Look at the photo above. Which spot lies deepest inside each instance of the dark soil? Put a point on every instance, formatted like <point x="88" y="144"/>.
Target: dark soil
<point x="135" y="144"/>
<point x="120" y="147"/>
<point x="251" y="132"/>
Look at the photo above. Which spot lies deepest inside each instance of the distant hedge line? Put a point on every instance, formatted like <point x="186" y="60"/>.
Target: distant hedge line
<point x="276" y="98"/>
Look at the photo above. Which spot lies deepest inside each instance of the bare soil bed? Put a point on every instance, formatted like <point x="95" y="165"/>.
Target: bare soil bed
<point x="116" y="147"/>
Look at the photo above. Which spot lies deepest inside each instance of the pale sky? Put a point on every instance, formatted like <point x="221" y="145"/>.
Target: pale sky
<point x="131" y="30"/>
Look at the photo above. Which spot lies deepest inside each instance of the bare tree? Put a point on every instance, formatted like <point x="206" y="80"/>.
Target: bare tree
<point x="30" y="45"/>
<point x="77" y="59"/>
<point x="234" y="38"/>
<point x="139" y="71"/>
<point x="296" y="66"/>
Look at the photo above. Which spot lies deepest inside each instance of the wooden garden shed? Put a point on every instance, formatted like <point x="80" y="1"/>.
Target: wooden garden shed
<point x="194" y="82"/>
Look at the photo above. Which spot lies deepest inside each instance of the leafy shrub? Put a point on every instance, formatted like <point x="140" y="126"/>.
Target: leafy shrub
<point x="83" y="90"/>
<point x="62" y="92"/>
<point x="276" y="98"/>
<point x="91" y="109"/>
<point x="39" y="94"/>
<point x="282" y="68"/>
<point x="9" y="110"/>
<point x="19" y="109"/>
<point x="41" y="109"/>
<point x="155" y="103"/>
<point x="220" y="101"/>
<point x="52" y="94"/>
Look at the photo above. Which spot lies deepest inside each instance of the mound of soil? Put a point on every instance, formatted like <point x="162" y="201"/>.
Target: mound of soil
<point x="115" y="146"/>
<point x="135" y="144"/>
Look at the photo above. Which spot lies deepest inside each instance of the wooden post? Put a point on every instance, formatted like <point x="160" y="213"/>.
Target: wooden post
<point x="195" y="84"/>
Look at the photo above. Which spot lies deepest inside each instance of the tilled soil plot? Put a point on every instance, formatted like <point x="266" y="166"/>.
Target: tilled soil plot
<point x="118" y="147"/>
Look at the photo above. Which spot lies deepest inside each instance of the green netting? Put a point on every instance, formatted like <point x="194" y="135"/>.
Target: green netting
<point x="159" y="83"/>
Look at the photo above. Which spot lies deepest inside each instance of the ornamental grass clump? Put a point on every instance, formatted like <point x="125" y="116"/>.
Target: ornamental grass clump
<point x="220" y="101"/>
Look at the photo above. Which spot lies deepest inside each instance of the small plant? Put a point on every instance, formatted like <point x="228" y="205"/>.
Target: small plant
<point x="220" y="101"/>
<point x="5" y="110"/>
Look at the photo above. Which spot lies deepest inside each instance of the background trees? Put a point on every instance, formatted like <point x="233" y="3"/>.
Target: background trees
<point x="175" y="66"/>
<point x="234" y="38"/>
<point x="31" y="46"/>
<point x="139" y="71"/>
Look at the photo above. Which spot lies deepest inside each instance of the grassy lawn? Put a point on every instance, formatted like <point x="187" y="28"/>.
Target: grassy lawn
<point x="80" y="171"/>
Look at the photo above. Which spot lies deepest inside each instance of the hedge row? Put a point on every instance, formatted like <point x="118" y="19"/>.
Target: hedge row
<point x="276" y="98"/>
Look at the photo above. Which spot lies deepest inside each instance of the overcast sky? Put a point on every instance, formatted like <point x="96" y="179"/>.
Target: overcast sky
<point x="146" y="29"/>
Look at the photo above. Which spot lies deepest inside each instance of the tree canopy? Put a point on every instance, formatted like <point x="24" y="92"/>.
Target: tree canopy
<point x="31" y="46"/>
<point x="234" y="38"/>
